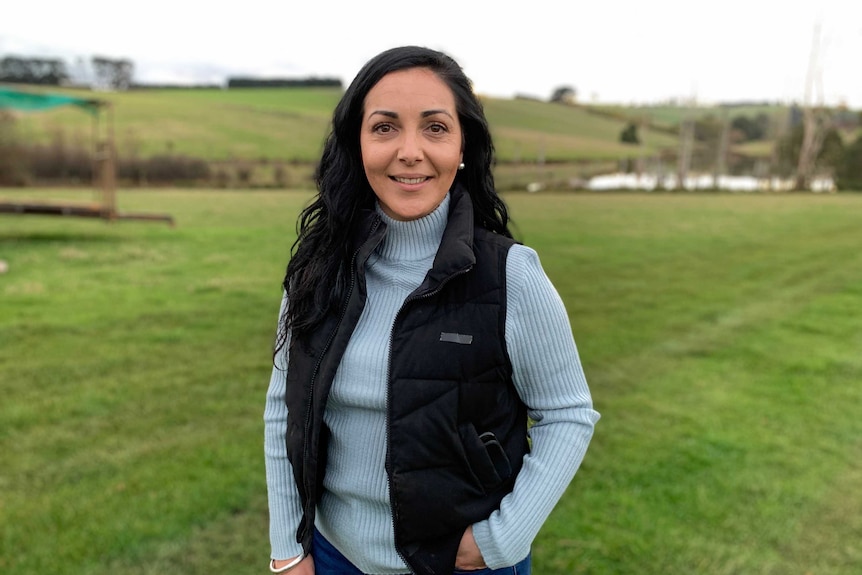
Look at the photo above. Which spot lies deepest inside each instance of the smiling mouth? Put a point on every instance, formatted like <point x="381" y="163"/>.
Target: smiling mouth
<point x="410" y="180"/>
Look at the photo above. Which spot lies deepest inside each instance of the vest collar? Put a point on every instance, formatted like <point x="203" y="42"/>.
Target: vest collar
<point x="456" y="248"/>
<point x="455" y="254"/>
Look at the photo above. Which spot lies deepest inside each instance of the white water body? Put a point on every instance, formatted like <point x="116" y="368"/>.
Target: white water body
<point x="652" y="182"/>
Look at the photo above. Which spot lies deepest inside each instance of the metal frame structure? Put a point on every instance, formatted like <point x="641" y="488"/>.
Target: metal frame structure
<point x="104" y="177"/>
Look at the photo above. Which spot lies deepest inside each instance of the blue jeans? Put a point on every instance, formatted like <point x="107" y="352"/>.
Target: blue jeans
<point x="329" y="561"/>
<point x="521" y="568"/>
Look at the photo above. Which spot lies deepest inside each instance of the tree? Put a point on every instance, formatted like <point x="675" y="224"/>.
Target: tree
<point x="26" y="70"/>
<point x="708" y="128"/>
<point x="629" y="135"/>
<point x="309" y="82"/>
<point x="848" y="174"/>
<point x="816" y="122"/>
<point x="829" y="155"/>
<point x="816" y="127"/>
<point x="751" y="128"/>
<point x="564" y="95"/>
<point x="113" y="74"/>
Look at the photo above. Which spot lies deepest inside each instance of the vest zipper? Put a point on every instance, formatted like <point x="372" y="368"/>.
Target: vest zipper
<point x="309" y="416"/>
<point x="407" y="301"/>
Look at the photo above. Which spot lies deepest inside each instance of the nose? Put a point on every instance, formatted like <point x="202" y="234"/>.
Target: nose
<point x="410" y="150"/>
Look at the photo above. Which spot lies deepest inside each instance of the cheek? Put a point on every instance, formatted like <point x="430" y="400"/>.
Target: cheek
<point x="363" y="151"/>
<point x="366" y="149"/>
<point x="372" y="159"/>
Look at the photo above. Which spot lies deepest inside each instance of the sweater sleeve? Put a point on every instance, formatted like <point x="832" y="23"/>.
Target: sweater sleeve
<point x="285" y="507"/>
<point x="550" y="381"/>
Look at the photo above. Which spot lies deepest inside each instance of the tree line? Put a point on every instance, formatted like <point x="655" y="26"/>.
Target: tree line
<point x="312" y="82"/>
<point x="830" y="143"/>
<point x="119" y="74"/>
<point x="106" y="73"/>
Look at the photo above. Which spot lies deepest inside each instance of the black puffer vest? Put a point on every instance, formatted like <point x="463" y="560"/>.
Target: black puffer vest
<point x="456" y="426"/>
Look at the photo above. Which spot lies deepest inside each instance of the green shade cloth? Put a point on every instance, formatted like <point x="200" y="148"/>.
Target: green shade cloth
<point x="32" y="102"/>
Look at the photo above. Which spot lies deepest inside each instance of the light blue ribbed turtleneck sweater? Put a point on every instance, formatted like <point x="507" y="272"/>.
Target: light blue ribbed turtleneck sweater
<point x="354" y="514"/>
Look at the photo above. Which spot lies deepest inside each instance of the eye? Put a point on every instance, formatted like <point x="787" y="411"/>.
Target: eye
<point x="382" y="128"/>
<point x="438" y="128"/>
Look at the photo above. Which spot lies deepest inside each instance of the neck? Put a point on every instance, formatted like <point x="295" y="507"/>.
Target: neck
<point x="414" y="239"/>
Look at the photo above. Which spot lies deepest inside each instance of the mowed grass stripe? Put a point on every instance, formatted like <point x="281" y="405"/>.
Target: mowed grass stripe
<point x="727" y="401"/>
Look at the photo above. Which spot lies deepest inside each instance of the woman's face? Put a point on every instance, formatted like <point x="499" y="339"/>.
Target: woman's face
<point x="411" y="142"/>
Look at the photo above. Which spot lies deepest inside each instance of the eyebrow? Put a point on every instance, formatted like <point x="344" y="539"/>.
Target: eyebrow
<point x="425" y="114"/>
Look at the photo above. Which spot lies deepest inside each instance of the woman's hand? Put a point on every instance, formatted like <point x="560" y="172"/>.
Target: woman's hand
<point x="305" y="567"/>
<point x="469" y="557"/>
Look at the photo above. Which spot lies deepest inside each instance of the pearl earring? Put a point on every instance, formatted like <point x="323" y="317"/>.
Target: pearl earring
<point x="461" y="166"/>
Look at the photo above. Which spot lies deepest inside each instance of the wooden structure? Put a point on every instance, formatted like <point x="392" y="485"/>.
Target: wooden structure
<point x="104" y="160"/>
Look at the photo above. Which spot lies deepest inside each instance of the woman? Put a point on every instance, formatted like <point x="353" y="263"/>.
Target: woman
<point x="418" y="339"/>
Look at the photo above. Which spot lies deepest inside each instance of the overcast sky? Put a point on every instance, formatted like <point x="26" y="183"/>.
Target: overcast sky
<point x="609" y="51"/>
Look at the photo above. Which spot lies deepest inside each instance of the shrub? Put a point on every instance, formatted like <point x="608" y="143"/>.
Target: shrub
<point x="629" y="135"/>
<point x="848" y="174"/>
<point x="12" y="172"/>
<point x="172" y="169"/>
<point x="60" y="160"/>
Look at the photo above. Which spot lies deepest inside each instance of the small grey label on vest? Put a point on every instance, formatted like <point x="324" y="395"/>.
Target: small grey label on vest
<point x="456" y="338"/>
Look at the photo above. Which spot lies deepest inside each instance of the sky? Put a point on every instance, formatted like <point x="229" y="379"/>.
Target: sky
<point x="608" y="51"/>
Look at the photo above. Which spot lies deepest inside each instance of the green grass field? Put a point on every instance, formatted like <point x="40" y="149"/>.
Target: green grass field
<point x="721" y="336"/>
<point x="289" y="124"/>
<point x="282" y="124"/>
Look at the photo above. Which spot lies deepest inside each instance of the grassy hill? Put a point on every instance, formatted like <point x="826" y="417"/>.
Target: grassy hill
<point x="290" y="123"/>
<point x="668" y="115"/>
<point x="525" y="130"/>
<point x="263" y="137"/>
<point x="213" y="124"/>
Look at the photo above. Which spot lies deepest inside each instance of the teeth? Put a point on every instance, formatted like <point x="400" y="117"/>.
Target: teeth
<point x="410" y="180"/>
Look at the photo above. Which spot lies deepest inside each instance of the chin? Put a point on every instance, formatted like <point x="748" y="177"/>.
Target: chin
<point x="408" y="212"/>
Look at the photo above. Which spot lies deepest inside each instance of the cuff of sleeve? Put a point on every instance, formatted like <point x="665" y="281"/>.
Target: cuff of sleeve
<point x="285" y="551"/>
<point x="491" y="553"/>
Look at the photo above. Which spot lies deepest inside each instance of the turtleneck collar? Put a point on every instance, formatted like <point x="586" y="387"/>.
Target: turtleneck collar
<point x="414" y="239"/>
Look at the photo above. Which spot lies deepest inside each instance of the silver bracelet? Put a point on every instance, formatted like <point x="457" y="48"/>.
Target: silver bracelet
<point x="287" y="567"/>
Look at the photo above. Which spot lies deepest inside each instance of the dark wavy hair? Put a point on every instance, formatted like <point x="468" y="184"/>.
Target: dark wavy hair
<point x="320" y="258"/>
